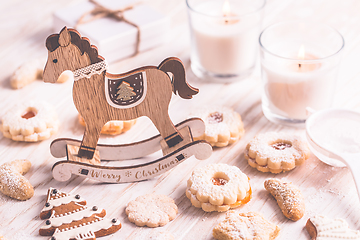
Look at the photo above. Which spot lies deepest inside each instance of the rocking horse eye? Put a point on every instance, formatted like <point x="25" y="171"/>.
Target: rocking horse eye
<point x="55" y="60"/>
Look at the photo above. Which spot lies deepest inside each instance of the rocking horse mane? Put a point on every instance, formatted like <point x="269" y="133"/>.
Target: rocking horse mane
<point x="83" y="43"/>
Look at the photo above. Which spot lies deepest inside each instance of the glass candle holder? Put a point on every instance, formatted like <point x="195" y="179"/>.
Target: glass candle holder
<point x="224" y="37"/>
<point x="299" y="66"/>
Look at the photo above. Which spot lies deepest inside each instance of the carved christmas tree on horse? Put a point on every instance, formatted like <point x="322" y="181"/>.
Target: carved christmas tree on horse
<point x="125" y="92"/>
<point x="100" y="97"/>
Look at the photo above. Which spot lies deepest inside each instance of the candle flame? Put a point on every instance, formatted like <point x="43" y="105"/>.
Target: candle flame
<point x="226" y="8"/>
<point x="301" y="54"/>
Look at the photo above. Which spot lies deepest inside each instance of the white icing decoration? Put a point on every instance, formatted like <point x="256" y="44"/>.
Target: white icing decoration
<point x="78" y="233"/>
<point x="333" y="229"/>
<point x="60" y="200"/>
<point x="68" y="218"/>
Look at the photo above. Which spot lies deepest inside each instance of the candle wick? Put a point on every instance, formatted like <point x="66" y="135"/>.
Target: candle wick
<point x="299" y="65"/>
<point x="226" y="20"/>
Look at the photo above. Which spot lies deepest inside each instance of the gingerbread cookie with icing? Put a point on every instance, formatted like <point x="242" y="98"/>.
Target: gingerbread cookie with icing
<point x="245" y="226"/>
<point x="323" y="228"/>
<point x="288" y="197"/>
<point x="223" y="126"/>
<point x="276" y="152"/>
<point x="218" y="187"/>
<point x="151" y="210"/>
<point x="68" y="217"/>
<point x="113" y="127"/>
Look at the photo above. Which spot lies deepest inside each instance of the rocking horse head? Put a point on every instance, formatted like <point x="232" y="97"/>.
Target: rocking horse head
<point x="68" y="51"/>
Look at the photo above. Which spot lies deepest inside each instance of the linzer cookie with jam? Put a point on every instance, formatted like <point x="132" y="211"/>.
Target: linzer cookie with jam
<point x="223" y="126"/>
<point x="30" y="121"/>
<point x="276" y="152"/>
<point x="218" y="187"/>
<point x="68" y="217"/>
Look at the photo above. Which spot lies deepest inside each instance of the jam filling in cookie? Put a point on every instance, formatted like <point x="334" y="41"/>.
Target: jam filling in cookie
<point x="214" y="118"/>
<point x="29" y="114"/>
<point x="281" y="145"/>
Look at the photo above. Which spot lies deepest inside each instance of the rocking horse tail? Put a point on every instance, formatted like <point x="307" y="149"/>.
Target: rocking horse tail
<point x="179" y="83"/>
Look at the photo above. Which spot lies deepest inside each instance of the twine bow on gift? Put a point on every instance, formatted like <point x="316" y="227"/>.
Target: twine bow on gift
<point x="100" y="11"/>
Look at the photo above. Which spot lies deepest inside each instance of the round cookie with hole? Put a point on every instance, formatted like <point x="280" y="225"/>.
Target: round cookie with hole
<point x="276" y="152"/>
<point x="223" y="126"/>
<point x="30" y="121"/>
<point x="218" y="187"/>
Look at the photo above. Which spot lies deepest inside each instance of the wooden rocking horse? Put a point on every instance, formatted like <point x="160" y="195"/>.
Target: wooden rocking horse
<point x="101" y="97"/>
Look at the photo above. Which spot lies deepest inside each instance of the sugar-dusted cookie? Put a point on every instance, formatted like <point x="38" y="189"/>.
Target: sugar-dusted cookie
<point x="12" y="181"/>
<point x="288" y="197"/>
<point x="276" y="152"/>
<point x="33" y="70"/>
<point x="27" y="73"/>
<point x="218" y="187"/>
<point x="113" y="127"/>
<point x="151" y="210"/>
<point x="245" y="226"/>
<point x="70" y="218"/>
<point x="30" y="121"/>
<point x="323" y="228"/>
<point x="223" y="125"/>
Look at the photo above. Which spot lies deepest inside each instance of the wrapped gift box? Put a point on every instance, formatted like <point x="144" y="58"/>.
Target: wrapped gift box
<point x="117" y="39"/>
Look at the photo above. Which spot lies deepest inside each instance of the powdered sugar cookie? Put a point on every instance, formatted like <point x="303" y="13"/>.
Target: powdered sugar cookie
<point x="151" y="210"/>
<point x="245" y="226"/>
<point x="33" y="70"/>
<point x="27" y="73"/>
<point x="223" y="126"/>
<point x="70" y="218"/>
<point x="323" y="228"/>
<point x="218" y="187"/>
<point x="30" y="122"/>
<point x="113" y="127"/>
<point x="12" y="181"/>
<point x="276" y="152"/>
<point x="288" y="197"/>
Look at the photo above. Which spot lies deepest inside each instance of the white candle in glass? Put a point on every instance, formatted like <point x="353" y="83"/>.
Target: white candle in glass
<point x="224" y="40"/>
<point x="294" y="88"/>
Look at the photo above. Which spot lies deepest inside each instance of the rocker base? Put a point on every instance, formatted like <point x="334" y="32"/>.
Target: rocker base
<point x="63" y="170"/>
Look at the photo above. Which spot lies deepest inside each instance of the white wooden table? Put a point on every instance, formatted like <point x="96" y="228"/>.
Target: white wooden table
<point x="328" y="190"/>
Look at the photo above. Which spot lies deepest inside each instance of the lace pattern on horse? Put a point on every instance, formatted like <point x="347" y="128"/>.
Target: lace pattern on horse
<point x="88" y="71"/>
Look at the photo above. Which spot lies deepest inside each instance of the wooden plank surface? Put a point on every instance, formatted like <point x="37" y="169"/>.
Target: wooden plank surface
<point x="330" y="191"/>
